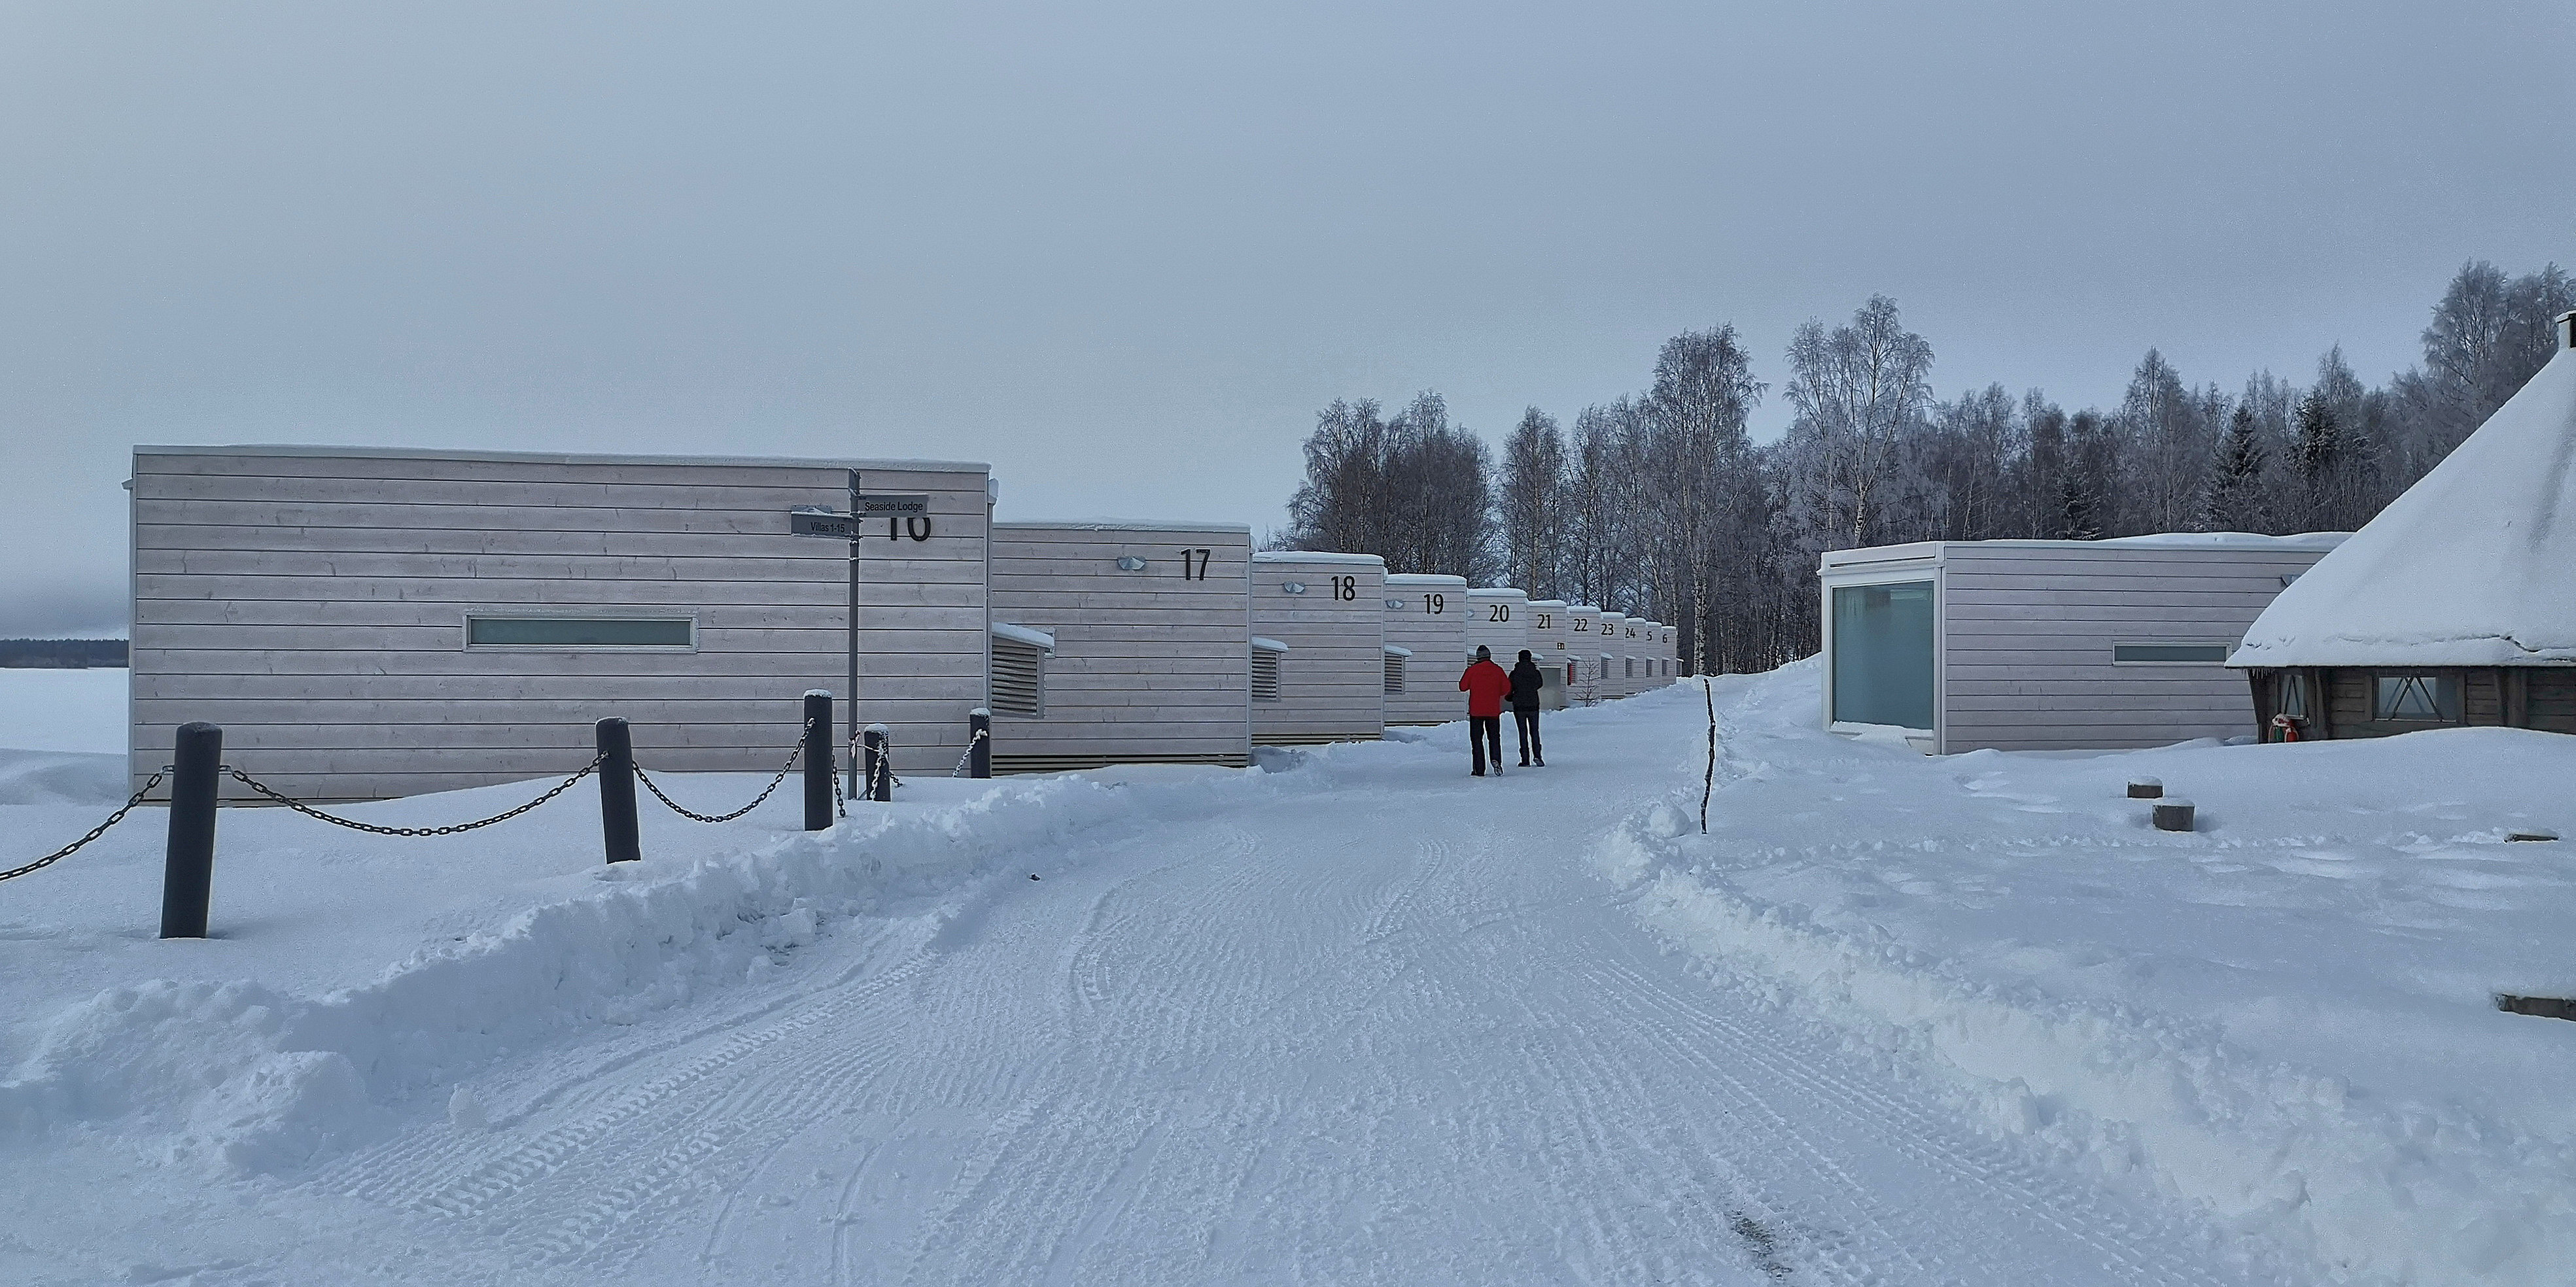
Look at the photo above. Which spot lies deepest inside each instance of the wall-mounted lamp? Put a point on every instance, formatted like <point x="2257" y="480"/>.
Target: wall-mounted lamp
<point x="1395" y="605"/>
<point x="1130" y="563"/>
<point x="1293" y="587"/>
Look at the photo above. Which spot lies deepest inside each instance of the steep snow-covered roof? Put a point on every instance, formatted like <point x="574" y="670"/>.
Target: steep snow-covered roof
<point x="2474" y="566"/>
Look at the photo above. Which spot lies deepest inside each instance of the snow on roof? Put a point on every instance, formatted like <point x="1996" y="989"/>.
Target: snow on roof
<point x="1314" y="556"/>
<point x="1423" y="578"/>
<point x="1022" y="634"/>
<point x="2226" y="540"/>
<point x="1122" y="525"/>
<point x="1547" y="603"/>
<point x="1500" y="591"/>
<point x="2471" y="567"/>
<point x="1268" y="645"/>
<point x="1394" y="651"/>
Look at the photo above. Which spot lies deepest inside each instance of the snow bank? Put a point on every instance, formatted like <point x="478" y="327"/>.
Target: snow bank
<point x="2282" y="1017"/>
<point x="294" y="1038"/>
<point x="78" y="711"/>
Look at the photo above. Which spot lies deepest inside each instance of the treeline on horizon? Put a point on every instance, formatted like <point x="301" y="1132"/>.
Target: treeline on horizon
<point x="1660" y="505"/>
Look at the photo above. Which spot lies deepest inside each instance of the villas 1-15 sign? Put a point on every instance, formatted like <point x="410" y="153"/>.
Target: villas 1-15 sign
<point x="905" y="514"/>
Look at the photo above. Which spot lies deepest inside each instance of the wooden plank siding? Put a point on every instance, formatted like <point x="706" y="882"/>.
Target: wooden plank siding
<point x="2027" y="630"/>
<point x="312" y="601"/>
<point x="1498" y="617"/>
<point x="1583" y="647"/>
<point x="1332" y="682"/>
<point x="1429" y="615"/>
<point x="1151" y="666"/>
<point x="1551" y="635"/>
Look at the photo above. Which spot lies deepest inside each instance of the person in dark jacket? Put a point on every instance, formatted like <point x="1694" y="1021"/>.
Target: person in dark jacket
<point x="1485" y="685"/>
<point x="1526" y="686"/>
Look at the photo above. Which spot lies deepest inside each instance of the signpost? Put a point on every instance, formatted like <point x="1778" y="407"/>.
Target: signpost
<point x="907" y="514"/>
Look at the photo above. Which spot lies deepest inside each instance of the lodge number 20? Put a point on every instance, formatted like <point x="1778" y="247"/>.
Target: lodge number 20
<point x="1498" y="612"/>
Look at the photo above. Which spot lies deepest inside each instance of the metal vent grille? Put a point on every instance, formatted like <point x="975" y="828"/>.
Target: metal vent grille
<point x="1265" y="675"/>
<point x="1019" y="679"/>
<point x="1394" y="673"/>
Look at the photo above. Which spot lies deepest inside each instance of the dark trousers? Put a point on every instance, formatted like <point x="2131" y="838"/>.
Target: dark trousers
<point x="1484" y="731"/>
<point x="1525" y="723"/>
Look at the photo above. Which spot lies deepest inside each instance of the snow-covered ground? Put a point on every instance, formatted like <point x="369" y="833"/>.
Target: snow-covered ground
<point x="1353" y="1018"/>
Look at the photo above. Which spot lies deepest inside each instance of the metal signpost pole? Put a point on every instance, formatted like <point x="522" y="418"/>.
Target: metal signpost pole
<point x="853" y="690"/>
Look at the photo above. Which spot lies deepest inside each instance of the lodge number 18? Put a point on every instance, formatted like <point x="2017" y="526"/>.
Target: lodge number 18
<point x="1345" y="588"/>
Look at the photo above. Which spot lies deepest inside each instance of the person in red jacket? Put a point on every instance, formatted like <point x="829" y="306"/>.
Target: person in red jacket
<point x="1486" y="685"/>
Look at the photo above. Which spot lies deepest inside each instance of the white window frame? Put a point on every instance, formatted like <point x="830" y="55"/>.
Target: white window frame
<point x="1894" y="573"/>
<point x="465" y="629"/>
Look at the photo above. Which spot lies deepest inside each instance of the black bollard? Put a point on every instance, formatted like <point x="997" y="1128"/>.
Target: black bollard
<point x="880" y="772"/>
<point x="818" y="760"/>
<point x="979" y="743"/>
<point x="188" y="866"/>
<point x="617" y="792"/>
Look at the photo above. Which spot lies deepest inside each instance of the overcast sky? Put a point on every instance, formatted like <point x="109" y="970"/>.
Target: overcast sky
<point x="1125" y="251"/>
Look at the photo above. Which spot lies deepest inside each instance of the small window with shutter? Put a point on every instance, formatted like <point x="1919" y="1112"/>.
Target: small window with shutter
<point x="1019" y="673"/>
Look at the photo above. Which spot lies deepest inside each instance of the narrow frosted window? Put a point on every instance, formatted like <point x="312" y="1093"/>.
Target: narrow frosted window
<point x="580" y="632"/>
<point x="1883" y="654"/>
<point x="2170" y="654"/>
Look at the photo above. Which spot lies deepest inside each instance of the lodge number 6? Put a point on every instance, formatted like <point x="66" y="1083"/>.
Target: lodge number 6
<point x="1345" y="588"/>
<point x="1194" y="564"/>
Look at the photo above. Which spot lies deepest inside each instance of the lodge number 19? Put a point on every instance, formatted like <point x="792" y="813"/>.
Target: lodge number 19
<point x="1345" y="588"/>
<point x="1435" y="604"/>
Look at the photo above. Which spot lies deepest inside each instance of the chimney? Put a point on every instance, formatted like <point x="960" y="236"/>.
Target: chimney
<point x="2566" y="331"/>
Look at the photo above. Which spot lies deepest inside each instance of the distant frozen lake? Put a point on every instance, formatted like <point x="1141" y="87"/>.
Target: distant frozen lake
<point x="63" y="710"/>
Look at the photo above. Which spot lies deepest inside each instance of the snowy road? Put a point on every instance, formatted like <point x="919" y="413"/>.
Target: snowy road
<point x="1296" y="1043"/>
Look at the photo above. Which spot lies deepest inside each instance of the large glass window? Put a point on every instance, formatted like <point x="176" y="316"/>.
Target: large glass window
<point x="1883" y="654"/>
<point x="580" y="632"/>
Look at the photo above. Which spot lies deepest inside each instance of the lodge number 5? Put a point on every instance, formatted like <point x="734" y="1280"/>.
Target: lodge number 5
<point x="1346" y="588"/>
<point x="1194" y="564"/>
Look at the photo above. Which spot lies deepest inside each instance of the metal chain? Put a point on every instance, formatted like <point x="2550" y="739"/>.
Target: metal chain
<point x="94" y="833"/>
<point x="840" y="806"/>
<point x="981" y="734"/>
<point x="783" y="770"/>
<point x="374" y="830"/>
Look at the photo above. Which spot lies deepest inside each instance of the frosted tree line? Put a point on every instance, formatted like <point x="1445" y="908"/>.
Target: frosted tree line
<point x="1659" y="504"/>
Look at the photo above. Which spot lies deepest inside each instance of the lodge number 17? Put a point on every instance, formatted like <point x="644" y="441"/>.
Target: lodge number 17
<point x="1194" y="564"/>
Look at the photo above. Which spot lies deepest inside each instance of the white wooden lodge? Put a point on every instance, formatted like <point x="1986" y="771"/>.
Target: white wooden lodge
<point x="367" y="623"/>
<point x="2049" y="645"/>
<point x="1426" y="617"/>
<point x="1583" y="654"/>
<point x="1146" y="660"/>
<point x="1614" y="646"/>
<point x="1551" y="637"/>
<point x="1328" y="612"/>
<point x="1672" y="654"/>
<point x="1498" y="617"/>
